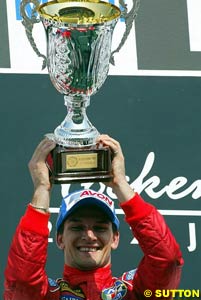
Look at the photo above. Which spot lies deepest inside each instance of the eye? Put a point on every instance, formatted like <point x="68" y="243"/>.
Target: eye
<point x="100" y="228"/>
<point x="77" y="228"/>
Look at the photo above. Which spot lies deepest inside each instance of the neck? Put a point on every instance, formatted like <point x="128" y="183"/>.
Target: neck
<point x="76" y="276"/>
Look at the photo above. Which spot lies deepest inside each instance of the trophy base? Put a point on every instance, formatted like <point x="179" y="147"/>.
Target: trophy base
<point x="90" y="164"/>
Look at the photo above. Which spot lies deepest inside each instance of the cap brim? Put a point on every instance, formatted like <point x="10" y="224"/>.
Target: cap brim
<point x="92" y="201"/>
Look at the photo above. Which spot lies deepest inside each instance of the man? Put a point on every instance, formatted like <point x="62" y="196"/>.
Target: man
<point x="87" y="231"/>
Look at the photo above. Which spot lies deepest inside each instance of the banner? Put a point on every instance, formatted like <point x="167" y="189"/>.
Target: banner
<point x="165" y="40"/>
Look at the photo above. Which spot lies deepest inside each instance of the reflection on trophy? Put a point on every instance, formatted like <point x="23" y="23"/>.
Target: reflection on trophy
<point x="79" y="37"/>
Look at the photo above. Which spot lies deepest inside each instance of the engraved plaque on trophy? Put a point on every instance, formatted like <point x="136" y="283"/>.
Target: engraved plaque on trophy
<point x="79" y="37"/>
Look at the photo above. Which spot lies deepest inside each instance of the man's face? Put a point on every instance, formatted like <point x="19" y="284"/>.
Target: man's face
<point x="87" y="239"/>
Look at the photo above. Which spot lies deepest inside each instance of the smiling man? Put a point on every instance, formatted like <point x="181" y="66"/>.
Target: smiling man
<point x="87" y="232"/>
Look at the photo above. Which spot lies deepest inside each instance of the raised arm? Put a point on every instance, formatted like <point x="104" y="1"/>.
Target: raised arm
<point x="160" y="268"/>
<point x="25" y="276"/>
<point x="40" y="175"/>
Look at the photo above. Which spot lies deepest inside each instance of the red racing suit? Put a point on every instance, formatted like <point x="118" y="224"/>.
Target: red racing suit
<point x="160" y="267"/>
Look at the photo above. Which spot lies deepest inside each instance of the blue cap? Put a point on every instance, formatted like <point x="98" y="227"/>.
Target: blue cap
<point x="84" y="197"/>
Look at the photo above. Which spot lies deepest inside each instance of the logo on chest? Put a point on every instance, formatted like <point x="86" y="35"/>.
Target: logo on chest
<point x="70" y="293"/>
<point x="116" y="292"/>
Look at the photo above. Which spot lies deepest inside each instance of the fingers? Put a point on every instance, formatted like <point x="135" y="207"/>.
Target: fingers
<point x="118" y="163"/>
<point x="40" y="154"/>
<point x="112" y="143"/>
<point x="37" y="165"/>
<point x="43" y="149"/>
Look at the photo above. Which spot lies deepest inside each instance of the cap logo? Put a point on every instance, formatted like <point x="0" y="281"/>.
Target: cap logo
<point x="97" y="195"/>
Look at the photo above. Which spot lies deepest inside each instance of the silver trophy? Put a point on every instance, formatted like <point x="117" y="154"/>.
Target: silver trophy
<point x="79" y="38"/>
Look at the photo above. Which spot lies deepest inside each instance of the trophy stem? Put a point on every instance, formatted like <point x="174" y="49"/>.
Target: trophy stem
<point x="76" y="130"/>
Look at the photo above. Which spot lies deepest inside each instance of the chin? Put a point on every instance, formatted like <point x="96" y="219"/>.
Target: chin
<point x="90" y="266"/>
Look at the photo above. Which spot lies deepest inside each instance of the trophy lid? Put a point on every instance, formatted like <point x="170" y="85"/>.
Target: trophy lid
<point x="79" y="11"/>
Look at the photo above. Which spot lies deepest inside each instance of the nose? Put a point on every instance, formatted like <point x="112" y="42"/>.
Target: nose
<point x="88" y="234"/>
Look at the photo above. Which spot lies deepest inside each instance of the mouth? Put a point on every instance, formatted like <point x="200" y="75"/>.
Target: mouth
<point x="88" y="249"/>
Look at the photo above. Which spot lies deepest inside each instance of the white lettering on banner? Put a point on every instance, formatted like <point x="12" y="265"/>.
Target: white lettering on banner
<point x="192" y="237"/>
<point x="194" y="24"/>
<point x="148" y="186"/>
<point x="134" y="241"/>
<point x="50" y="239"/>
<point x="141" y="184"/>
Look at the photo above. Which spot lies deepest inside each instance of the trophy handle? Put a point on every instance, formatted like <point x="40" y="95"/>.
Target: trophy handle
<point x="129" y="19"/>
<point x="28" y="23"/>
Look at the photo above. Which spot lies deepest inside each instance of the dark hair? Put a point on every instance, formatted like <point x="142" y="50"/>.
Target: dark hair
<point x="61" y="228"/>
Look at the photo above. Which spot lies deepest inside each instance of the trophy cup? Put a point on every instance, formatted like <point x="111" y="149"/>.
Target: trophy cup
<point x="79" y="36"/>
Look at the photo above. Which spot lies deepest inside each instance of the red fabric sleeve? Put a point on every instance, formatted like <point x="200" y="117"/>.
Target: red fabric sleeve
<point x="25" y="276"/>
<point x="35" y="221"/>
<point x="136" y="208"/>
<point x="160" y="267"/>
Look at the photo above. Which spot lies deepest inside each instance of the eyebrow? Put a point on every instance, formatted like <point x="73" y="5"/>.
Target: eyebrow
<point x="77" y="220"/>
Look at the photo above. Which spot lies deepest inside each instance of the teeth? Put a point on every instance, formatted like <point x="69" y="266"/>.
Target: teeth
<point x="87" y="249"/>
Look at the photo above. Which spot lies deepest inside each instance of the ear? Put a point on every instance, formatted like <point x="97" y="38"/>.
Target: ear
<point x="115" y="243"/>
<point x="59" y="241"/>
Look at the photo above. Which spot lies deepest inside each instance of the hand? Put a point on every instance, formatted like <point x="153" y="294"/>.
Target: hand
<point x="119" y="183"/>
<point x="118" y="164"/>
<point x="37" y="165"/>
